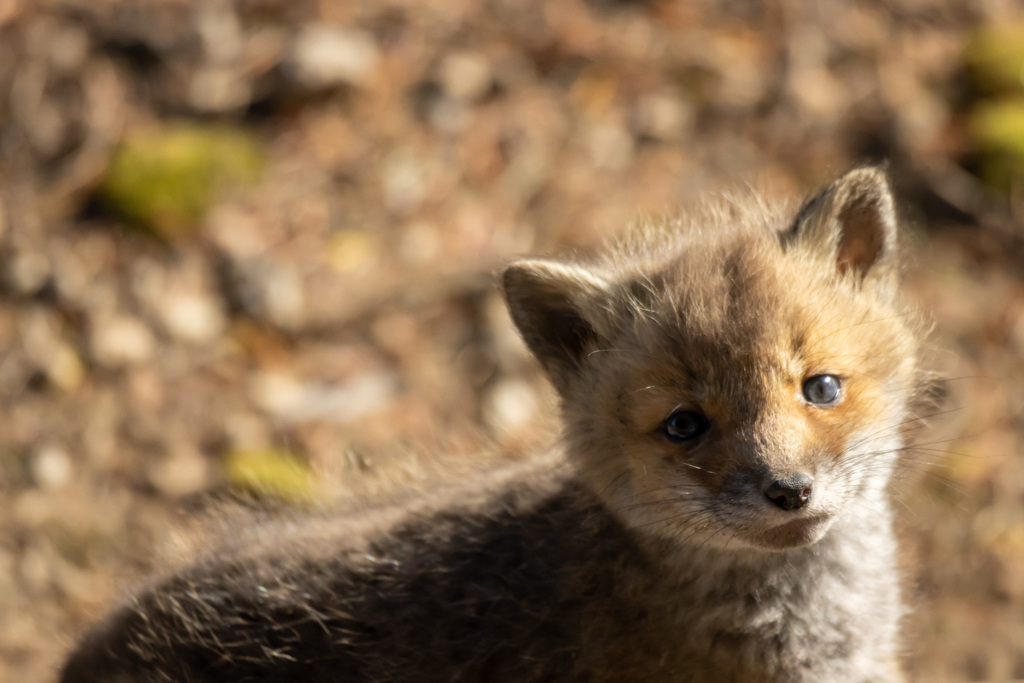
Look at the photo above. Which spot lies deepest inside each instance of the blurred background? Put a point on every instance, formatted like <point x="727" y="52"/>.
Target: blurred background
<point x="249" y="247"/>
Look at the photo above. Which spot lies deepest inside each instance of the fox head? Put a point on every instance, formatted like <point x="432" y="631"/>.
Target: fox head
<point x="740" y="381"/>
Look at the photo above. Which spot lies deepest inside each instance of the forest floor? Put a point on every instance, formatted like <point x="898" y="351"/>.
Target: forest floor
<point x="255" y="241"/>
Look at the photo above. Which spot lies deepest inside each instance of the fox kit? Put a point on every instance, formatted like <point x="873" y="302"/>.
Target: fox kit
<point x="733" y="391"/>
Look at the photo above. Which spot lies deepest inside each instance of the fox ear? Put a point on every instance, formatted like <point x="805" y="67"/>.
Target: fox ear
<point x="556" y="307"/>
<point x="852" y="223"/>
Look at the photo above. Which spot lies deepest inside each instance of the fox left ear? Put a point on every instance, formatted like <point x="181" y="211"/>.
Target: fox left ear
<point x="562" y="311"/>
<point x="853" y="224"/>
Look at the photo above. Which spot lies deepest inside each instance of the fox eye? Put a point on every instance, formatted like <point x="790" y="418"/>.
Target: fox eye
<point x="684" y="425"/>
<point x="822" y="390"/>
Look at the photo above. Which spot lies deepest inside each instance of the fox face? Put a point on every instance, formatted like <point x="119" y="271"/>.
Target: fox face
<point x="740" y="384"/>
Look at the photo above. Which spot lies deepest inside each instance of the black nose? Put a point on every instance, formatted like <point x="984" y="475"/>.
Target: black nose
<point x="792" y="492"/>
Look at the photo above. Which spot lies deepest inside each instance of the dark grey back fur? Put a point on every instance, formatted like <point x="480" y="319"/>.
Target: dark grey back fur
<point x="459" y="595"/>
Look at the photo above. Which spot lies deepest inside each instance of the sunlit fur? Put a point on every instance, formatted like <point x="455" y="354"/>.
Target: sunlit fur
<point x="622" y="556"/>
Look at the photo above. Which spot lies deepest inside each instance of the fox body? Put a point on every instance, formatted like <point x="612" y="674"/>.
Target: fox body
<point x="733" y="392"/>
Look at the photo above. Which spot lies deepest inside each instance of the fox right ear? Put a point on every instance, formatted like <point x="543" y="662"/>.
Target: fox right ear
<point x="853" y="224"/>
<point x="554" y="306"/>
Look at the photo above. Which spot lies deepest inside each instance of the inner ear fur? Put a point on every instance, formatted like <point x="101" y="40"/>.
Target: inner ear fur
<point x="853" y="224"/>
<point x="557" y="308"/>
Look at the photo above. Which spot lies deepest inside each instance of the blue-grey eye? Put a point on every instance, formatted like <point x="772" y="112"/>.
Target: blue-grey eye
<point x="822" y="390"/>
<point x="685" y="425"/>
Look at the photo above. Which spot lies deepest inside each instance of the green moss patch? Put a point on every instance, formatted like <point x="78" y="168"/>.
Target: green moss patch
<point x="276" y="473"/>
<point x="163" y="179"/>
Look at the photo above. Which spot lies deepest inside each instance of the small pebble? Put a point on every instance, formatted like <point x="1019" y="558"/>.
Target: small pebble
<point x="324" y="56"/>
<point x="465" y="76"/>
<point x="192" y="318"/>
<point x="121" y="341"/>
<point x="51" y="467"/>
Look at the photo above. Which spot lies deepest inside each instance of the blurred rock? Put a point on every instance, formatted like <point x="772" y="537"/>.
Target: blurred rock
<point x="663" y="117"/>
<point x="351" y="251"/>
<point x="37" y="116"/>
<point x="272" y="290"/>
<point x="610" y="145"/>
<point x="65" y="369"/>
<point x="184" y="471"/>
<point x="511" y="406"/>
<point x="466" y="76"/>
<point x="28" y="271"/>
<point x="147" y="390"/>
<point x="240" y="233"/>
<point x="324" y="56"/>
<point x="812" y="84"/>
<point x="70" y="49"/>
<point x="421" y="243"/>
<point x="220" y="30"/>
<point x="264" y="49"/>
<point x="36" y="570"/>
<point x="122" y="340"/>
<point x="219" y="89"/>
<point x="246" y="431"/>
<point x="292" y="400"/>
<point x="404" y="180"/>
<point x="82" y="270"/>
<point x="51" y="467"/>
<point x="41" y="334"/>
<point x="192" y="317"/>
<point x="219" y="85"/>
